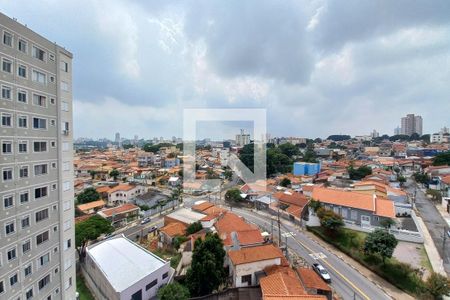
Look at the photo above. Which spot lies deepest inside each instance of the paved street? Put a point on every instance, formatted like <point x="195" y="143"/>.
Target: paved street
<point x="346" y="281"/>
<point x="433" y="220"/>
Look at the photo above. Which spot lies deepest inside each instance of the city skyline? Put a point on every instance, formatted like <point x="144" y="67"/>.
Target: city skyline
<point x="171" y="57"/>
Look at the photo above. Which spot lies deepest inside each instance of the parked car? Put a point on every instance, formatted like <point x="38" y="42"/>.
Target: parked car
<point x="322" y="272"/>
<point x="145" y="220"/>
<point x="152" y="229"/>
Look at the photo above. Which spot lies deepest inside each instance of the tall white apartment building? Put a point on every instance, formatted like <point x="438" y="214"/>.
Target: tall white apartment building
<point x="37" y="243"/>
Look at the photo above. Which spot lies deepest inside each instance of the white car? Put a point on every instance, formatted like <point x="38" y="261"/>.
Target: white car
<point x="322" y="272"/>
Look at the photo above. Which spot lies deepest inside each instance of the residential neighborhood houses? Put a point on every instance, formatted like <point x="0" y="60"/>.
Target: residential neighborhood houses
<point x="204" y="217"/>
<point x="364" y="188"/>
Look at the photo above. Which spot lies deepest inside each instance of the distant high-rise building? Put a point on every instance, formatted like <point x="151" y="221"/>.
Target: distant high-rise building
<point x="411" y="124"/>
<point x="374" y="134"/>
<point x="397" y="130"/>
<point x="117" y="138"/>
<point x="242" y="139"/>
<point x="136" y="139"/>
<point x="37" y="241"/>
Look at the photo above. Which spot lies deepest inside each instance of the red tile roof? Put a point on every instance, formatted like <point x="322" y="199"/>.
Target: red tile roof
<point x="174" y="229"/>
<point x="253" y="254"/>
<point x="311" y="280"/>
<point x="119" y="209"/>
<point x="281" y="284"/>
<point x="292" y="198"/>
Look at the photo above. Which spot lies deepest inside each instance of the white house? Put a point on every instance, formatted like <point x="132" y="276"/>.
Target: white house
<point x="123" y="193"/>
<point x="247" y="263"/>
<point x="118" y="269"/>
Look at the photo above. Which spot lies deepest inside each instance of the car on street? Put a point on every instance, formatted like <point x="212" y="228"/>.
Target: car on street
<point x="152" y="229"/>
<point x="145" y="220"/>
<point x="322" y="272"/>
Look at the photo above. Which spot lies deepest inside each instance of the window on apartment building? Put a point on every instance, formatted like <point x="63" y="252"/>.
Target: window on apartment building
<point x="67" y="264"/>
<point x="65" y="127"/>
<point x="42" y="215"/>
<point x="52" y="101"/>
<point x="7" y="174"/>
<point x="39" y="77"/>
<point x="26" y="246"/>
<point x="52" y="122"/>
<point x="6" y="65"/>
<point x="10" y="227"/>
<point x="53" y="165"/>
<point x="67" y="244"/>
<point x="29" y="293"/>
<point x="44" y="259"/>
<point x="52" y="79"/>
<point x="22" y="46"/>
<point x="40" y="146"/>
<point x="165" y="275"/>
<point x="67" y="225"/>
<point x="7" y="38"/>
<point x="38" y="53"/>
<point x="68" y="283"/>
<point x="64" y="86"/>
<point x="40" y="169"/>
<point x="64" y="106"/>
<point x="40" y="192"/>
<point x="6" y="92"/>
<point x="66" y="166"/>
<point x="151" y="284"/>
<point x="66" y="205"/>
<point x="6" y="147"/>
<point x="66" y="186"/>
<point x="8" y="201"/>
<point x="54" y="187"/>
<point x="23" y="172"/>
<point x="24" y="197"/>
<point x="12" y="254"/>
<point x="39" y="100"/>
<point x="13" y="279"/>
<point x="23" y="146"/>
<point x="41" y="238"/>
<point x="6" y="120"/>
<point x="247" y="279"/>
<point x="51" y="56"/>
<point x="353" y="214"/>
<point x="22" y="96"/>
<point x="25" y="222"/>
<point x="22" y="71"/>
<point x="44" y="282"/>
<point x="22" y="121"/>
<point x="53" y="144"/>
<point x="64" y="66"/>
<point x="39" y="123"/>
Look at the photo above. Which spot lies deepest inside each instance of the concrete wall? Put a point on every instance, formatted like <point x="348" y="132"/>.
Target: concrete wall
<point x="251" y="268"/>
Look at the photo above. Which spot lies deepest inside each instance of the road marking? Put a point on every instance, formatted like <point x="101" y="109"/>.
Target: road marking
<point x="288" y="234"/>
<point x="318" y="255"/>
<point x="324" y="260"/>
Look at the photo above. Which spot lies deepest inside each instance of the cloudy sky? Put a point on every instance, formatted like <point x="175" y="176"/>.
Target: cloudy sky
<point x="318" y="67"/>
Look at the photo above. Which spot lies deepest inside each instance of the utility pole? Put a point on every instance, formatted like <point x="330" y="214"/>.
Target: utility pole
<point x="279" y="228"/>
<point x="444" y="240"/>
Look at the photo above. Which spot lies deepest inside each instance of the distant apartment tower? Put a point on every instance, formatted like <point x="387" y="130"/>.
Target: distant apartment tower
<point x="411" y="124"/>
<point x="37" y="243"/>
<point x="242" y="139"/>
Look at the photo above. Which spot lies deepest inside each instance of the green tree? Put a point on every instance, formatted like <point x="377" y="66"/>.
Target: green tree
<point x="90" y="230"/>
<point x="421" y="178"/>
<point x="442" y="159"/>
<point x="92" y="173"/>
<point x="88" y="195"/>
<point x="285" y="182"/>
<point x="310" y="154"/>
<point x="387" y="223"/>
<point x="435" y="195"/>
<point x="329" y="219"/>
<point x="315" y="205"/>
<point x="127" y="146"/>
<point x="207" y="263"/>
<point x="114" y="174"/>
<point x="194" y="227"/>
<point x="233" y="195"/>
<point x="380" y="242"/>
<point x="228" y="174"/>
<point x="402" y="180"/>
<point x="289" y="149"/>
<point x="438" y="285"/>
<point x="360" y="173"/>
<point x="173" y="291"/>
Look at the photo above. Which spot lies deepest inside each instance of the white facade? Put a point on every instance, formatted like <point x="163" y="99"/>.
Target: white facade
<point x="238" y="271"/>
<point x="118" y="269"/>
<point x="121" y="196"/>
<point x="36" y="215"/>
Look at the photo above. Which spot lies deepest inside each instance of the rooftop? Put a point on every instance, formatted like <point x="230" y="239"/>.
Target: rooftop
<point x="123" y="262"/>
<point x="91" y="205"/>
<point x="186" y="216"/>
<point x="118" y="210"/>
<point x="253" y="254"/>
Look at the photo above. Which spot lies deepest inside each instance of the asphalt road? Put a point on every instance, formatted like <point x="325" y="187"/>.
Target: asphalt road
<point x="346" y="281"/>
<point x="433" y="220"/>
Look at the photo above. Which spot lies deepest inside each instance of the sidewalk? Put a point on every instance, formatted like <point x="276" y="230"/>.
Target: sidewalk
<point x="432" y="252"/>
